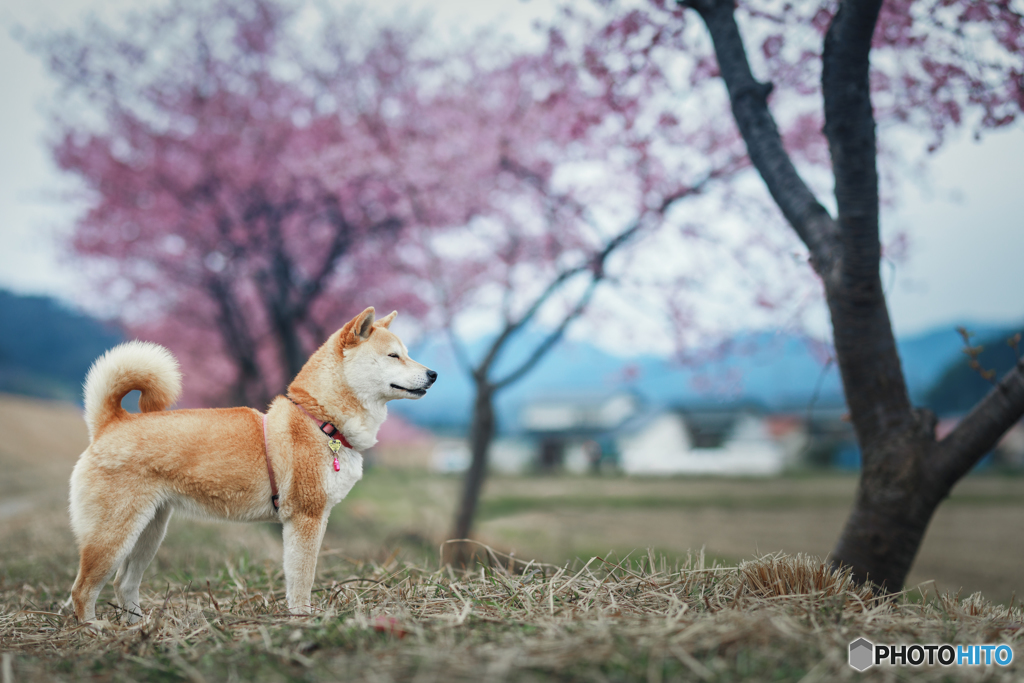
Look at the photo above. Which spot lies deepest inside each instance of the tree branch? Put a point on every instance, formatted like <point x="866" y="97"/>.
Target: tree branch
<point x="597" y="275"/>
<point x="980" y="431"/>
<point x="748" y="98"/>
<point x="512" y="328"/>
<point x="311" y="288"/>
<point x="461" y="355"/>
<point x="596" y="266"/>
<point x="340" y="242"/>
<point x="552" y="339"/>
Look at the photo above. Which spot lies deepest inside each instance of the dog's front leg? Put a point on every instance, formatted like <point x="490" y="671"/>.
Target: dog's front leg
<point x="302" y="537"/>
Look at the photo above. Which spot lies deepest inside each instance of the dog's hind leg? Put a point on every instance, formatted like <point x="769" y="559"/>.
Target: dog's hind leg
<point x="104" y="547"/>
<point x="129" y="575"/>
<point x="95" y="567"/>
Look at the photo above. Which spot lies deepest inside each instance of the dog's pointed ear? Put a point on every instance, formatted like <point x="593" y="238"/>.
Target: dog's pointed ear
<point x="385" y="322"/>
<point x="358" y="329"/>
<point x="362" y="325"/>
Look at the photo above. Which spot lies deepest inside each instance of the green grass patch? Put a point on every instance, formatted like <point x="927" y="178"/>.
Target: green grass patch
<point x="505" y="506"/>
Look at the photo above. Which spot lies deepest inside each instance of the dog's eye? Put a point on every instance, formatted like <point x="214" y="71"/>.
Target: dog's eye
<point x="392" y="355"/>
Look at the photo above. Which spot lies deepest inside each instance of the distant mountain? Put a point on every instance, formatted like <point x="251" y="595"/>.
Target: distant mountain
<point x="776" y="370"/>
<point x="46" y="348"/>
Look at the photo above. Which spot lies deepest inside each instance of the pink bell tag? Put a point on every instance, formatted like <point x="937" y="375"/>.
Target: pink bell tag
<point x="335" y="446"/>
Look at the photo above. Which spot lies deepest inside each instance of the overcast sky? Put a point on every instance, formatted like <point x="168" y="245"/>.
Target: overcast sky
<point x="965" y="225"/>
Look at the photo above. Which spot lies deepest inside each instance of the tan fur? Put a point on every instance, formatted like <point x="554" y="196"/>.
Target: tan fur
<point x="140" y="468"/>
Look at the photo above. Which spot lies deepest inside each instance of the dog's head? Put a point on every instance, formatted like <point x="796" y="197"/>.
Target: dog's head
<point x="377" y="364"/>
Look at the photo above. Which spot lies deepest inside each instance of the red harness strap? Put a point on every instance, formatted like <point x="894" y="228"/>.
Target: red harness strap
<point x="326" y="427"/>
<point x="270" y="469"/>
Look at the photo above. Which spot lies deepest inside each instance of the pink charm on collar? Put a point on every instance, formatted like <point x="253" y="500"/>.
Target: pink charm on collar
<point x="337" y="465"/>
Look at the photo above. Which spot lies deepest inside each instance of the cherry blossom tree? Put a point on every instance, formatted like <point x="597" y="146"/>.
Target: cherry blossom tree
<point x="593" y="168"/>
<point x="243" y="175"/>
<point x="933" y="65"/>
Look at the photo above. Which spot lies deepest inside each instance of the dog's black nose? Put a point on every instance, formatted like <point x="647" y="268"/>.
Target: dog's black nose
<point x="432" y="376"/>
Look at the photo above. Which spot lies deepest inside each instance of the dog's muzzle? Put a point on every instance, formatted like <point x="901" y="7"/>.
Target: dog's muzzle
<point x="419" y="391"/>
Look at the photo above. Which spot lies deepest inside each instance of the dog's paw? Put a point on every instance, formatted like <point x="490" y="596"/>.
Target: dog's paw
<point x="98" y="626"/>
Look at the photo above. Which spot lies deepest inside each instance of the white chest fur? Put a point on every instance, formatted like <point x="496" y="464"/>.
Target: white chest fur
<point x="339" y="483"/>
<point x="361" y="430"/>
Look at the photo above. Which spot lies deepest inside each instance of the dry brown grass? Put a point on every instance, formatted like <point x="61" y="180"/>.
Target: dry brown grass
<point x="778" y="617"/>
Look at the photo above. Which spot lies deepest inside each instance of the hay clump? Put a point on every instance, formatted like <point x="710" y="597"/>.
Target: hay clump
<point x="779" y="576"/>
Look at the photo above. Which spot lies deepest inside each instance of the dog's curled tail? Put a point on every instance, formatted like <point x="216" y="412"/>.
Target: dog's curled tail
<point x="145" y="366"/>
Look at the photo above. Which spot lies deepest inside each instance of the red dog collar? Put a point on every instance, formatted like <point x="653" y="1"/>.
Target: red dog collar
<point x="325" y="427"/>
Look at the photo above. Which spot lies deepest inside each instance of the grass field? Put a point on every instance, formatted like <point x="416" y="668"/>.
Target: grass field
<point x="737" y="611"/>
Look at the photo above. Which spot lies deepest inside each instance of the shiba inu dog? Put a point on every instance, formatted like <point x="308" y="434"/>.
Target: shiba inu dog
<point x="292" y="464"/>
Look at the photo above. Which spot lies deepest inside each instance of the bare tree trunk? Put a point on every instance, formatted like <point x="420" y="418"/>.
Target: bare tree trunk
<point x="895" y="501"/>
<point x="906" y="473"/>
<point x="249" y="388"/>
<point x="904" y="481"/>
<point x="481" y="434"/>
<point x="277" y="287"/>
<point x="897" y="494"/>
<point x="282" y="316"/>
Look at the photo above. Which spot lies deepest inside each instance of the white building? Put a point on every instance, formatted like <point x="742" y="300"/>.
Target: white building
<point x="574" y="432"/>
<point x="720" y="443"/>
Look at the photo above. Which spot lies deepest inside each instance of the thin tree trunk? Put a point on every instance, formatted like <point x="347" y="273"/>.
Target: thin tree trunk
<point x="481" y="433"/>
<point x="483" y="428"/>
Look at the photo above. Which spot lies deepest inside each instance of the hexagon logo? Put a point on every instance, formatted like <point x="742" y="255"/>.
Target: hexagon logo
<point x="862" y="654"/>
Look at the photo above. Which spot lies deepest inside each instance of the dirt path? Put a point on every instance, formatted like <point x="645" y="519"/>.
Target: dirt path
<point x="39" y="444"/>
